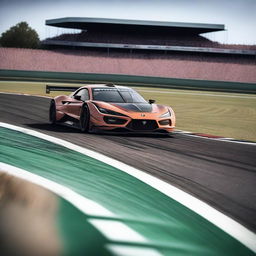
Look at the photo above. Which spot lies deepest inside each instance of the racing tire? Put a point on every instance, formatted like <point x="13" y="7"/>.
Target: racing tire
<point x="85" y="118"/>
<point x="52" y="113"/>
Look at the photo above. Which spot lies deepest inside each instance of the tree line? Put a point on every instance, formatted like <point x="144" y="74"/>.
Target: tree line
<point x="20" y="36"/>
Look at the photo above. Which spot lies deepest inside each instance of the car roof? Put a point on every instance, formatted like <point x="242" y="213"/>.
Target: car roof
<point x="109" y="85"/>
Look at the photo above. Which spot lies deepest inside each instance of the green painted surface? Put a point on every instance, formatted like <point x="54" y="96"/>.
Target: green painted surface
<point x="161" y="82"/>
<point x="79" y="237"/>
<point x="168" y="226"/>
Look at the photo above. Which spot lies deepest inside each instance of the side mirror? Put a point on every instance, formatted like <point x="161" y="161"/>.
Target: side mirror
<point x="151" y="101"/>
<point x="77" y="97"/>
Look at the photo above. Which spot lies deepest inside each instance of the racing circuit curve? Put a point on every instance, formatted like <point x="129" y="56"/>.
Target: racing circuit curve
<point x="217" y="172"/>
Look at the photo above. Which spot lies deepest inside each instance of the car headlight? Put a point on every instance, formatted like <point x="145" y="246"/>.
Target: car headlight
<point x="167" y="114"/>
<point x="109" y="112"/>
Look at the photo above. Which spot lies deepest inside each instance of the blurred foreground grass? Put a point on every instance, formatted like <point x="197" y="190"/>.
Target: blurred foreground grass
<point x="224" y="114"/>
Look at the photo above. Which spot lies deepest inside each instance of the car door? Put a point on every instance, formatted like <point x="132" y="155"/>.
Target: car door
<point x="73" y="107"/>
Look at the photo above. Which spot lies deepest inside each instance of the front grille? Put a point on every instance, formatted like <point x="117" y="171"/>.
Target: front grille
<point x="114" y="120"/>
<point x="143" y="125"/>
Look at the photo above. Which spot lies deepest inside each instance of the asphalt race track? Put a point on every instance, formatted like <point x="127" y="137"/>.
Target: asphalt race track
<point x="223" y="174"/>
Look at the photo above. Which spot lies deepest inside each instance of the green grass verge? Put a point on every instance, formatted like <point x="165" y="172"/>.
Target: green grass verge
<point x="224" y="114"/>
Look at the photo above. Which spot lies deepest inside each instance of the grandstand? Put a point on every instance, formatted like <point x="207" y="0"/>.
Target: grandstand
<point x="140" y="48"/>
<point x="137" y="35"/>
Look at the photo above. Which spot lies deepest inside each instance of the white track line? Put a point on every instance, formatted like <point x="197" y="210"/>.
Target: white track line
<point x="224" y="139"/>
<point x="124" y="250"/>
<point x="191" y="134"/>
<point x="230" y="226"/>
<point x="87" y="206"/>
<point x="117" y="231"/>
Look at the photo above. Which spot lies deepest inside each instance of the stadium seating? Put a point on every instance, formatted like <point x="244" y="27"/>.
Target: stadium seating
<point x="148" y="39"/>
<point x="162" y="65"/>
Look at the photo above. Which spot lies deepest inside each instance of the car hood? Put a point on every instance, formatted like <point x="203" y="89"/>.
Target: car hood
<point x="135" y="107"/>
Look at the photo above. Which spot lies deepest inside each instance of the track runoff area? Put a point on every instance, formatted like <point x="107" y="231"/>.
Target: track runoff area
<point x="126" y="211"/>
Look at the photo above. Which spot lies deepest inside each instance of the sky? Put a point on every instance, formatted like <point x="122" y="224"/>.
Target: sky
<point x="238" y="16"/>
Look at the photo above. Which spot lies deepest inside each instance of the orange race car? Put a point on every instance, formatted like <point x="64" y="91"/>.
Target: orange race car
<point x="109" y="107"/>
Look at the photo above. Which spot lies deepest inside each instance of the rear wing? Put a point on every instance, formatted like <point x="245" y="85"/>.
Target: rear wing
<point x="50" y="88"/>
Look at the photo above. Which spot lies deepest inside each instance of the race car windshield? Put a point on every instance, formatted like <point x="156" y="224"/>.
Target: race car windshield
<point x="117" y="95"/>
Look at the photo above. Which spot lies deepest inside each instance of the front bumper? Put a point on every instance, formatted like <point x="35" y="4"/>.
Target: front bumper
<point x="110" y="123"/>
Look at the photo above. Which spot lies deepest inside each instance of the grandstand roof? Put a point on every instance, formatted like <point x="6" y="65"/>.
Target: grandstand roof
<point x="121" y="24"/>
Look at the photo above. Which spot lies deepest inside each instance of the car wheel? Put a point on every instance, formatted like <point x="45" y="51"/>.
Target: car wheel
<point x="85" y="118"/>
<point x="52" y="112"/>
